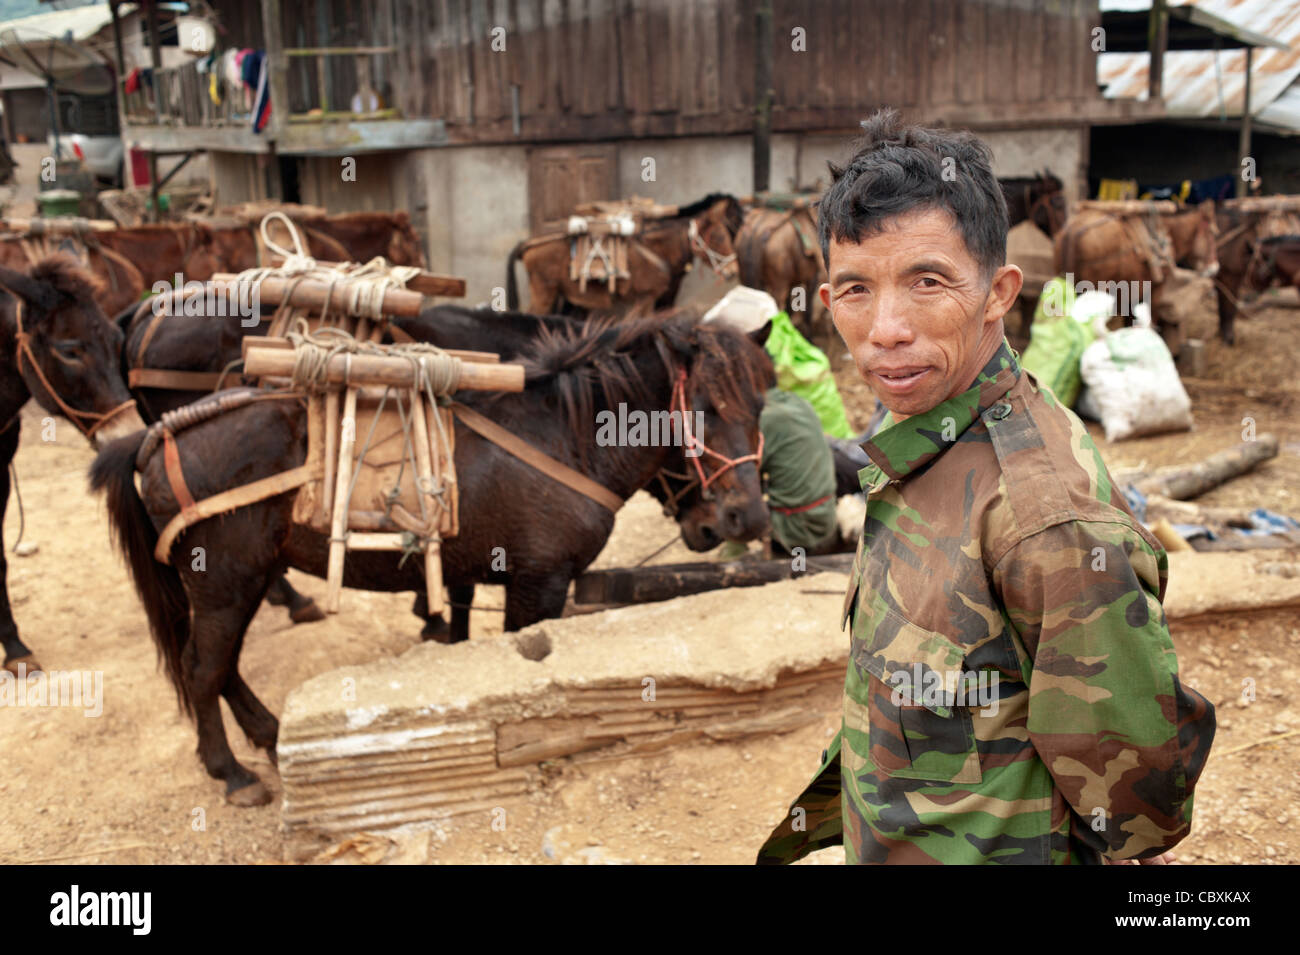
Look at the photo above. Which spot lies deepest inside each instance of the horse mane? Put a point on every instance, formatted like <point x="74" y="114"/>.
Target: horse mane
<point x="695" y="208"/>
<point x="570" y="364"/>
<point x="67" y="276"/>
<point x="1275" y="239"/>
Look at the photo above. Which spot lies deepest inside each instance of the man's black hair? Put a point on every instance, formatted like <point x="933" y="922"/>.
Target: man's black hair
<point x="899" y="168"/>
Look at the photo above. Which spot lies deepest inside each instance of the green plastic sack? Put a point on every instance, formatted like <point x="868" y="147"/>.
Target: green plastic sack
<point x="1057" y="340"/>
<point x="803" y="368"/>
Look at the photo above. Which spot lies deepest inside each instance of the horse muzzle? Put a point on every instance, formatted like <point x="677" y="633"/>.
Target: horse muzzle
<point x="127" y="421"/>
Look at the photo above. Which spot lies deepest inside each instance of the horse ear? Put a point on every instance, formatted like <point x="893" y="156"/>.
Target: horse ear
<point x="38" y="296"/>
<point x="401" y="218"/>
<point x="760" y="335"/>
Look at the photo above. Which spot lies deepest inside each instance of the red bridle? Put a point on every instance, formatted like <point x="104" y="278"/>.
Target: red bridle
<point x="694" y="443"/>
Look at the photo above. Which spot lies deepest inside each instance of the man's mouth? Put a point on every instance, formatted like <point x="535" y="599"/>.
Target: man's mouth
<point x="898" y="380"/>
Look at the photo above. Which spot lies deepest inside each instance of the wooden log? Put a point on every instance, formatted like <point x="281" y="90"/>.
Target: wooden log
<point x="1170" y="538"/>
<point x="276" y="342"/>
<point x="665" y="581"/>
<point x="1289" y="540"/>
<point x="338" y="525"/>
<point x="1128" y="206"/>
<point x="426" y="283"/>
<point x="1183" y="512"/>
<point x="386" y="370"/>
<point x="1188" y="482"/>
<point x="312" y="294"/>
<point x="61" y="225"/>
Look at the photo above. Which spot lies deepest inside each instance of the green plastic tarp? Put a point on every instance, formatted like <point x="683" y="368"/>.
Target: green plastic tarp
<point x="804" y="369"/>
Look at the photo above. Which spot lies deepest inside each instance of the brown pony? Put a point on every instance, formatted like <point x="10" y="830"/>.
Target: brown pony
<point x="1040" y="199"/>
<point x="549" y="533"/>
<point x="779" y="251"/>
<point x="658" y="260"/>
<point x="368" y="234"/>
<point x="55" y="346"/>
<point x="119" y="281"/>
<point x="1132" y="255"/>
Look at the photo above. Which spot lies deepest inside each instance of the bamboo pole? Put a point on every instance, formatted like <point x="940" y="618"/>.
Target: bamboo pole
<point x="383" y="370"/>
<point x="424" y="469"/>
<point x="312" y="293"/>
<point x="284" y="343"/>
<point x="338" y="526"/>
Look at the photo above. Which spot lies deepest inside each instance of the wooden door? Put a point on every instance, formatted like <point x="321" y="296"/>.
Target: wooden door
<point x="561" y="177"/>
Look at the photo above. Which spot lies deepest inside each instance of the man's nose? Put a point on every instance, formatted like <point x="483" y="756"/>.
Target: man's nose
<point x="890" y="326"/>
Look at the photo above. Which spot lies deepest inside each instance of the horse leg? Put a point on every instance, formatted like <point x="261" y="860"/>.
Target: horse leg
<point x="16" y="652"/>
<point x="301" y="609"/>
<point x="258" y="723"/>
<point x="211" y="657"/>
<point x="531" y="597"/>
<point x="436" y="627"/>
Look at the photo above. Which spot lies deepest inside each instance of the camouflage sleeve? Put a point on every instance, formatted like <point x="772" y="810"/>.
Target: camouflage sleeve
<point x="1123" y="739"/>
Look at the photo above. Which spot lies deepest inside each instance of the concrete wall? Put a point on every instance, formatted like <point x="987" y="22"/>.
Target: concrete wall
<point x="475" y="203"/>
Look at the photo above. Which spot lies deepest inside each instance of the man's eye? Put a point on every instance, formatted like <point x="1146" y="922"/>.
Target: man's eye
<point x="928" y="281"/>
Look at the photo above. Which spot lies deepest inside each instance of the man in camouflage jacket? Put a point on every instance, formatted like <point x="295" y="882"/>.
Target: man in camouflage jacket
<point x="1012" y="693"/>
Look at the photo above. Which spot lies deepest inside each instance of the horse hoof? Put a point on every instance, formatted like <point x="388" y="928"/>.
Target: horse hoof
<point x="253" y="794"/>
<point x="307" y="613"/>
<point x="29" y="661"/>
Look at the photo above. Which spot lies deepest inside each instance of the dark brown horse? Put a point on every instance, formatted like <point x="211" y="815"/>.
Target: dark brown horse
<point x="204" y="345"/>
<point x="658" y="260"/>
<point x="549" y="533"/>
<point x="1275" y="260"/>
<point x="1039" y="198"/>
<point x="55" y="346"/>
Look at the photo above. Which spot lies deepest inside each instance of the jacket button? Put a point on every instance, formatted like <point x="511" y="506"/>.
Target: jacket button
<point x="999" y="411"/>
<point x="823" y="759"/>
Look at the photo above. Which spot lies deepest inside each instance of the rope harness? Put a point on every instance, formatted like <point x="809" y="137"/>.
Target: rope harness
<point x="694" y="442"/>
<point x="78" y="418"/>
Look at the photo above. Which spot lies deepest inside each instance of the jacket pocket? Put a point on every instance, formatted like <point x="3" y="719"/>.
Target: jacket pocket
<point x="906" y="702"/>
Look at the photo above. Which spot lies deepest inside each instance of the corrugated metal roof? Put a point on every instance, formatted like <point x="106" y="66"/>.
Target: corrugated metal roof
<point x="83" y="22"/>
<point x="1194" y="87"/>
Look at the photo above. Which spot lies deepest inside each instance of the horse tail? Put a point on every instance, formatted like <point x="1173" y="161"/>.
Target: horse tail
<point x="512" y="287"/>
<point x="159" y="585"/>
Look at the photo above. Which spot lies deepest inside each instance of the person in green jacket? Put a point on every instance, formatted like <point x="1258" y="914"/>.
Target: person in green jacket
<point x="798" y="474"/>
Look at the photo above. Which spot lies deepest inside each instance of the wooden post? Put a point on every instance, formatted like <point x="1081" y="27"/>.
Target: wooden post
<point x="277" y="67"/>
<point x="338" y="526"/>
<point x="1243" y="145"/>
<point x="1157" y="40"/>
<point x="763" y="96"/>
<point x="155" y="58"/>
<point x="119" y="73"/>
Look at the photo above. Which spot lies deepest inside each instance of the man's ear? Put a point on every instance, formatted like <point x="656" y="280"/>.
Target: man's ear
<point x="825" y="292"/>
<point x="1006" y="285"/>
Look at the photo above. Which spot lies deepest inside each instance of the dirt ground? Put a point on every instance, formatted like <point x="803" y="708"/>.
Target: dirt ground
<point x="126" y="786"/>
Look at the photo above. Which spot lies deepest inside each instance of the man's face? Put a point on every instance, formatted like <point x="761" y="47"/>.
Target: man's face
<point x="913" y="310"/>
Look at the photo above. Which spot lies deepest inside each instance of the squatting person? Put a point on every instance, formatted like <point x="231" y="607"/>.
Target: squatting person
<point x="995" y="544"/>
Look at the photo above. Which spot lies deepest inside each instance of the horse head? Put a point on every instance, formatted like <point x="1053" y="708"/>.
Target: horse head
<point x="1047" y="206"/>
<point x="67" y="351"/>
<point x="404" y="247"/>
<point x="717" y="493"/>
<point x="712" y="231"/>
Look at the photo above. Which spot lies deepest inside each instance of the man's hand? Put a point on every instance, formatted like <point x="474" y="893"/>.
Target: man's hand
<point x="1165" y="858"/>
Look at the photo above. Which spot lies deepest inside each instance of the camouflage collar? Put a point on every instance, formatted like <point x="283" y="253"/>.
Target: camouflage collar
<point x="900" y="448"/>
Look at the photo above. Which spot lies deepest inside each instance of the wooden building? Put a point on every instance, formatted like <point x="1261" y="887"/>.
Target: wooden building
<point x="485" y="118"/>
